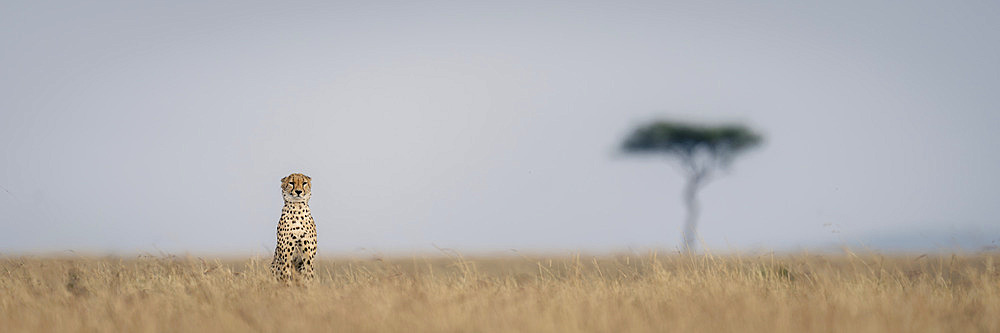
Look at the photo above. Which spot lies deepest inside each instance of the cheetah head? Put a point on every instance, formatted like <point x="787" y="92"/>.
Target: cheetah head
<point x="296" y="187"/>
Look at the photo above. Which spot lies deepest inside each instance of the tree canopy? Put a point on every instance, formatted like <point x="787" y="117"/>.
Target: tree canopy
<point x="687" y="141"/>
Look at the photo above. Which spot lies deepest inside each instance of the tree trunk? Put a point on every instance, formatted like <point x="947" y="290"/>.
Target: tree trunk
<point x="691" y="202"/>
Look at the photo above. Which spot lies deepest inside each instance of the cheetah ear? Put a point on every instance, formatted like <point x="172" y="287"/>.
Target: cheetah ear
<point x="307" y="177"/>
<point x="284" y="180"/>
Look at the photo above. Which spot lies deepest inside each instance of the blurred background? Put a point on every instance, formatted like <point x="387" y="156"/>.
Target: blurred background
<point x="130" y="127"/>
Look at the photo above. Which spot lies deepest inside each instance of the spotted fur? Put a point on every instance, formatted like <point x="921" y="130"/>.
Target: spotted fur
<point x="296" y="245"/>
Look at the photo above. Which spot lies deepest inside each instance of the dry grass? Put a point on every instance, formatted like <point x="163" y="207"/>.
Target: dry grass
<point x="796" y="293"/>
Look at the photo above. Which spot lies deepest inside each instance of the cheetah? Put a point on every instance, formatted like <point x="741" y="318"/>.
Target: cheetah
<point x="296" y="245"/>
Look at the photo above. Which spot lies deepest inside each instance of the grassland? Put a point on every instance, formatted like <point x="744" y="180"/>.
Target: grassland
<point x="623" y="293"/>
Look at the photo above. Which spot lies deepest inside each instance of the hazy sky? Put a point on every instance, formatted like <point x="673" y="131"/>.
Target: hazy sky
<point x="129" y="126"/>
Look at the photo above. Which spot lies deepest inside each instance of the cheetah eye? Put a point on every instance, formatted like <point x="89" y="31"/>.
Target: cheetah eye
<point x="305" y="183"/>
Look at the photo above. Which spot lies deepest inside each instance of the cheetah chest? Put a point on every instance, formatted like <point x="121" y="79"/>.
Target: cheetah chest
<point x="296" y="226"/>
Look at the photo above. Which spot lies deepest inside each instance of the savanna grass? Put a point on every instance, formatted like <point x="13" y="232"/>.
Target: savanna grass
<point x="623" y="293"/>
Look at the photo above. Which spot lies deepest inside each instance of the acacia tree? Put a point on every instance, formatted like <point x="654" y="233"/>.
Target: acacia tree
<point x="700" y="150"/>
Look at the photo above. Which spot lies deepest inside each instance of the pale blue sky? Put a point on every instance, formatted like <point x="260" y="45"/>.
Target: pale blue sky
<point x="130" y="126"/>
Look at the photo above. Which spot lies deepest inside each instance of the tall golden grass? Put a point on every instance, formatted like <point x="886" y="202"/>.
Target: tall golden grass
<point x="623" y="293"/>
